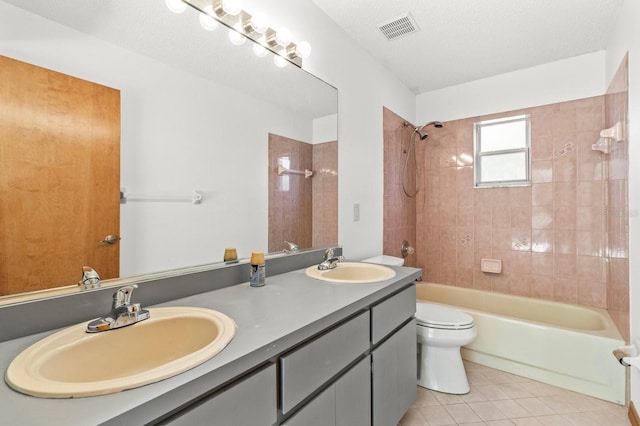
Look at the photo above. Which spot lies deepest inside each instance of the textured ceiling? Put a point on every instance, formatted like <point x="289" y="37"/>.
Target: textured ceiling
<point x="466" y="40"/>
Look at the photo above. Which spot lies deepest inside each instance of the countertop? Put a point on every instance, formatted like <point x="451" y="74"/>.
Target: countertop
<point x="291" y="307"/>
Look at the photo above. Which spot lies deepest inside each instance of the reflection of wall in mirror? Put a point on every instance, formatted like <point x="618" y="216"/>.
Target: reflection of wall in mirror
<point x="180" y="132"/>
<point x="59" y="183"/>
<point x="302" y="209"/>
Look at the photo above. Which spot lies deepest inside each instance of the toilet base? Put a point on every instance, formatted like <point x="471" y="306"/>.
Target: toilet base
<point x="442" y="370"/>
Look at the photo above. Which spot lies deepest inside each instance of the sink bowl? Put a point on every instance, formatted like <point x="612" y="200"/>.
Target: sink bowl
<point x="72" y="363"/>
<point x="352" y="272"/>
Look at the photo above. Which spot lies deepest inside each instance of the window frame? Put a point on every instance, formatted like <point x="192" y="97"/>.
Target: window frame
<point x="478" y="154"/>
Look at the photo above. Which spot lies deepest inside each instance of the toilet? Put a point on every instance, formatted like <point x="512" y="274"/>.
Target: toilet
<point x="441" y="332"/>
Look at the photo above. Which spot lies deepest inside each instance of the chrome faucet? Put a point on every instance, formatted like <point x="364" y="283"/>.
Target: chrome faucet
<point x="330" y="260"/>
<point x="292" y="247"/>
<point x="123" y="312"/>
<point x="90" y="278"/>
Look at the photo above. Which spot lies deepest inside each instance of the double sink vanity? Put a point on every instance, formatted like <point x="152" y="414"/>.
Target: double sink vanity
<point x="311" y="347"/>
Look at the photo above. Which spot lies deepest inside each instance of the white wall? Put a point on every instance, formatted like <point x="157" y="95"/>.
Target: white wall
<point x="574" y="78"/>
<point x="364" y="87"/>
<point x="626" y="38"/>
<point x="175" y="138"/>
<point x="325" y="129"/>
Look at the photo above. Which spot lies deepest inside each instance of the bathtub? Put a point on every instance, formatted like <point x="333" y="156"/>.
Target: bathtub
<point x="563" y="345"/>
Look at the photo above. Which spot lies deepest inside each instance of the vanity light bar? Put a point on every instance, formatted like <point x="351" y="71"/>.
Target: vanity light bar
<point x="252" y="27"/>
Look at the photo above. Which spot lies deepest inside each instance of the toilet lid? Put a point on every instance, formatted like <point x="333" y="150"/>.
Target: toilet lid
<point x="439" y="316"/>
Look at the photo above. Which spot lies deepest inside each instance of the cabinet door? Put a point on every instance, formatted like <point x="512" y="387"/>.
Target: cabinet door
<point x="347" y="402"/>
<point x="353" y="396"/>
<point x="394" y="376"/>
<point x="252" y="401"/>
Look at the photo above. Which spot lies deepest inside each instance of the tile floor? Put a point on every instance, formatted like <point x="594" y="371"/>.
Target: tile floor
<point x="502" y="399"/>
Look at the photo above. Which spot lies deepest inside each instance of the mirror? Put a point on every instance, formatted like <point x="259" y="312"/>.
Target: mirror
<point x="196" y="115"/>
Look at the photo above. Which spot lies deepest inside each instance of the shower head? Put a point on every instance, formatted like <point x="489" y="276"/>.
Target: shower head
<point x="424" y="135"/>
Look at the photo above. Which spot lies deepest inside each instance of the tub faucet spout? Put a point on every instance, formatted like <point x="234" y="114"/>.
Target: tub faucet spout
<point x="291" y="247"/>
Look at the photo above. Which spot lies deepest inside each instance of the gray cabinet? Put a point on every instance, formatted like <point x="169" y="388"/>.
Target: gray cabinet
<point x="394" y="376"/>
<point x="307" y="368"/>
<point x="391" y="313"/>
<point x="358" y="372"/>
<point x="347" y="402"/>
<point x="251" y="401"/>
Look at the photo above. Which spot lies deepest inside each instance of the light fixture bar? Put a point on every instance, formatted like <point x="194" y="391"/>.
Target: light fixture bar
<point x="241" y="23"/>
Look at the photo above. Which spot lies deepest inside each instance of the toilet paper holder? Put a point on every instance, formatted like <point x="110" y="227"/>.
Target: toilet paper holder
<point x="627" y="356"/>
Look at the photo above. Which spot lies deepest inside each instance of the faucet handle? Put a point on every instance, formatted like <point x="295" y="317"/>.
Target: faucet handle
<point x="328" y="254"/>
<point x="122" y="297"/>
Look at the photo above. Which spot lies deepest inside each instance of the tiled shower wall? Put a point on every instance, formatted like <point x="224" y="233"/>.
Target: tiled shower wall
<point x="399" y="216"/>
<point x="617" y="212"/>
<point x="550" y="236"/>
<point x="303" y="211"/>
<point x="563" y="238"/>
<point x="290" y="203"/>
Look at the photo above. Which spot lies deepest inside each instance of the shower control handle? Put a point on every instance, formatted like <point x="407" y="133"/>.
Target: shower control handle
<point x="406" y="249"/>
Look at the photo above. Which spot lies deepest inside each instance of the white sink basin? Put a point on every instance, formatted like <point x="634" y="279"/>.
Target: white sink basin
<point x="352" y="272"/>
<point x="72" y="363"/>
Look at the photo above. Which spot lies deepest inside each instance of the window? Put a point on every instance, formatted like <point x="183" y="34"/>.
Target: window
<point x="501" y="149"/>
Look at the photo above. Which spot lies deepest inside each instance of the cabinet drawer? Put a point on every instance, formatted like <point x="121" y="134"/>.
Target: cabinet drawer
<point x="251" y="401"/>
<point x="390" y="314"/>
<point x="305" y="369"/>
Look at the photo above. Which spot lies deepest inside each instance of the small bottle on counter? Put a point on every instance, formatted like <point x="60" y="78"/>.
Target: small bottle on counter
<point x="257" y="277"/>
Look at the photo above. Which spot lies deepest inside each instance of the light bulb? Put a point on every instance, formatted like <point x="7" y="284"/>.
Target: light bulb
<point x="280" y="61"/>
<point x="176" y="6"/>
<point x="236" y="38"/>
<point x="231" y="7"/>
<point x="206" y="21"/>
<point x="259" y="50"/>
<point x="303" y="49"/>
<point x="283" y="37"/>
<point x="259" y="23"/>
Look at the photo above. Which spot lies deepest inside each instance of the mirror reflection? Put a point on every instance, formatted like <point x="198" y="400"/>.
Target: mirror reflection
<point x="196" y="114"/>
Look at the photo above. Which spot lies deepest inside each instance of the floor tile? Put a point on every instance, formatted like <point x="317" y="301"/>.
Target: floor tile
<point x="535" y="406"/>
<point x="487" y="411"/>
<point x="437" y="416"/>
<point x="497" y="398"/>
<point x="462" y="413"/>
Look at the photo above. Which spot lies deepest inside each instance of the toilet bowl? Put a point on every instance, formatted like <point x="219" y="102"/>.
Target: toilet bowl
<point x="441" y="332"/>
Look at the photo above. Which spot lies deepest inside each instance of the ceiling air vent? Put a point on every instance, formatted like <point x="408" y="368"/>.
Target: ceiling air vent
<point x="399" y="27"/>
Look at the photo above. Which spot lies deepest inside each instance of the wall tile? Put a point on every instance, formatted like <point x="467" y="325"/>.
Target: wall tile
<point x="542" y="264"/>
<point x="541" y="171"/>
<point x="564" y="266"/>
<point x="551" y="236"/>
<point x="542" y="217"/>
<point x="542" y="194"/>
<point x="542" y="241"/>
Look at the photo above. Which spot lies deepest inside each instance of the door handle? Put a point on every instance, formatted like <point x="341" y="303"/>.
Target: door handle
<point x="110" y="239"/>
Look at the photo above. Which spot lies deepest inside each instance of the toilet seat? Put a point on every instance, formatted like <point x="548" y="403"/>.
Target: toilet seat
<point x="442" y="317"/>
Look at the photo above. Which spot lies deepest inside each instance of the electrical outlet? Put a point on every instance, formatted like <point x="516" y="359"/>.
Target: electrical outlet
<point x="356" y="212"/>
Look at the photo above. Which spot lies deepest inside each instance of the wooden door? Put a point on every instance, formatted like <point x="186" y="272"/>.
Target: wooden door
<point x="59" y="178"/>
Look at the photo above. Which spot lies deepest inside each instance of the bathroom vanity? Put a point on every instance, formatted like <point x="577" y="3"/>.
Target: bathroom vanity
<point x="306" y="352"/>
